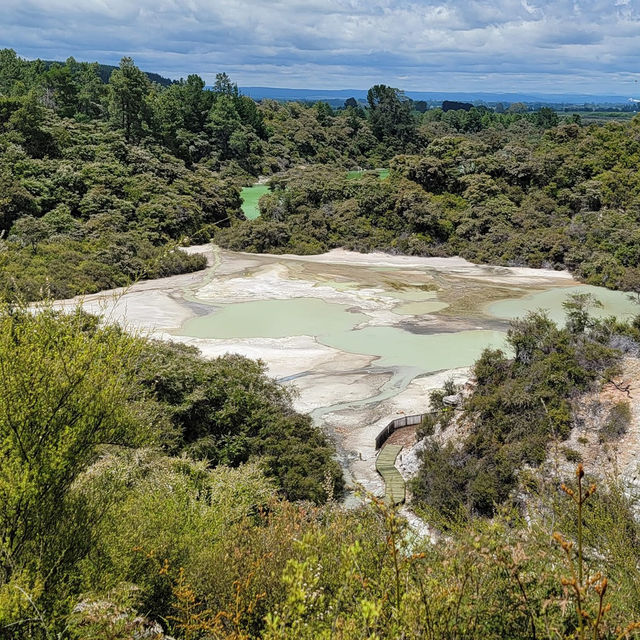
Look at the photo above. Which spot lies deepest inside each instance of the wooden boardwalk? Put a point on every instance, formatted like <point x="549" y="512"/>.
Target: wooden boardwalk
<point x="386" y="467"/>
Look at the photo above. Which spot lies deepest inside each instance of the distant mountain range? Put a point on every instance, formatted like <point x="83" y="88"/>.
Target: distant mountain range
<point x="338" y="96"/>
<point x="334" y="95"/>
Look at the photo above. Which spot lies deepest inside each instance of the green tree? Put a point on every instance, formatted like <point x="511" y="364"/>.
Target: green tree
<point x="517" y="107"/>
<point x="224" y="86"/>
<point x="128" y="88"/>
<point x="28" y="123"/>
<point x="14" y="73"/>
<point x="63" y="383"/>
<point x="351" y="103"/>
<point x="15" y="201"/>
<point x="390" y="114"/>
<point x="30" y="231"/>
<point x="223" y="122"/>
<point x="60" y="82"/>
<point x="91" y="90"/>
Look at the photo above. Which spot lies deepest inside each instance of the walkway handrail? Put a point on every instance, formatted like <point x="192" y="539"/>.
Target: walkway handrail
<point x="398" y="423"/>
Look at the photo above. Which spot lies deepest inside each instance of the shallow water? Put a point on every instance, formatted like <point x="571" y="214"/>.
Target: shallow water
<point x="614" y="303"/>
<point x="340" y="327"/>
<point x="420" y="308"/>
<point x="334" y="325"/>
<point x="428" y="353"/>
<point x="274" y="319"/>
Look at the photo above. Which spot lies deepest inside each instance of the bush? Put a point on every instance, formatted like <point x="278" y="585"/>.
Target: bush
<point x="617" y="421"/>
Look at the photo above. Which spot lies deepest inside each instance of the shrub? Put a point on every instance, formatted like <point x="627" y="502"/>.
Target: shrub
<point x="617" y="421"/>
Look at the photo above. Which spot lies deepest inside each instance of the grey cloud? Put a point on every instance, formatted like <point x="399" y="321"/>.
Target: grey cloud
<point x="455" y="44"/>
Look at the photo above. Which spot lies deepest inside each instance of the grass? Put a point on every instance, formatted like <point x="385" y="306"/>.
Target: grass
<point x="386" y="467"/>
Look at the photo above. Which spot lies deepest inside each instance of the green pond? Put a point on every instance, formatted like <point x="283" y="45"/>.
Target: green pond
<point x="250" y="197"/>
<point x="335" y="326"/>
<point x="614" y="303"/>
<point x="420" y="308"/>
<point x="428" y="353"/>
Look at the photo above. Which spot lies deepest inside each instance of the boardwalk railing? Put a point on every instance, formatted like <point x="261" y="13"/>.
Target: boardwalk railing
<point x="394" y="425"/>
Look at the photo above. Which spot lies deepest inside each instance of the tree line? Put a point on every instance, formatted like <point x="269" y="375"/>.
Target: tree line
<point x="88" y="165"/>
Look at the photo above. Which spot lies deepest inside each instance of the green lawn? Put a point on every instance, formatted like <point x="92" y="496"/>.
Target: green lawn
<point x="386" y="467"/>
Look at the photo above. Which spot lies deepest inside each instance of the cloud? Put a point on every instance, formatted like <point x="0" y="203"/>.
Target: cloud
<point x="498" y="45"/>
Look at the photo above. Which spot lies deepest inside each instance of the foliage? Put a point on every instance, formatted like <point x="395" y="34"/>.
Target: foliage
<point x="78" y="401"/>
<point x="518" y="406"/>
<point x="618" y="421"/>
<point x="513" y="188"/>
<point x="67" y="390"/>
<point x="227" y="411"/>
<point x="105" y="536"/>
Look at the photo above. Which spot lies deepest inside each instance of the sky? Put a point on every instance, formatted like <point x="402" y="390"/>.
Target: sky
<point x="536" y="46"/>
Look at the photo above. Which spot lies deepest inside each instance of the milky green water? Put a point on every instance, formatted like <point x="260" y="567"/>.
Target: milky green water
<point x="614" y="303"/>
<point x="397" y="347"/>
<point x="250" y="197"/>
<point x="335" y="326"/>
<point x="407" y="354"/>
<point x="420" y="308"/>
<point x="274" y="319"/>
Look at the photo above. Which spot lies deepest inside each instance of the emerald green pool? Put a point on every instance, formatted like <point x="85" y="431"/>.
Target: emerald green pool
<point x="250" y="197"/>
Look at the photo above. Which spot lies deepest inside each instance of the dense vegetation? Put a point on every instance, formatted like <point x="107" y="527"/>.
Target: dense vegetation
<point x="139" y="498"/>
<point x="88" y="166"/>
<point x="227" y="411"/>
<point x="100" y="180"/>
<point x="521" y="403"/>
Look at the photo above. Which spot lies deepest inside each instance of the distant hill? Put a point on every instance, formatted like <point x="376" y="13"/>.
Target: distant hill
<point x="332" y="95"/>
<point x="105" y="71"/>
